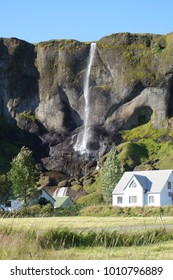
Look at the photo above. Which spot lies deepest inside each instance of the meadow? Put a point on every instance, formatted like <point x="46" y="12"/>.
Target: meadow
<point x="81" y="238"/>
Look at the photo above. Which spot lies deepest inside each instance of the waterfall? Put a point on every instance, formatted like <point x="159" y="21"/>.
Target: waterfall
<point x="81" y="144"/>
<point x="60" y="192"/>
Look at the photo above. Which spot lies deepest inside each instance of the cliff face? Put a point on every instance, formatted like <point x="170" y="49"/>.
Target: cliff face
<point x="41" y="88"/>
<point x="129" y="71"/>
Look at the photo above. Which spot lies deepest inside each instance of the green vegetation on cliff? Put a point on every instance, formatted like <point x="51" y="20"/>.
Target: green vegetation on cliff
<point x="139" y="57"/>
<point x="146" y="148"/>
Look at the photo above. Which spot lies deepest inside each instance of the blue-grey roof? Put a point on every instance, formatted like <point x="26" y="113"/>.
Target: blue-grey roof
<point x="152" y="180"/>
<point x="144" y="182"/>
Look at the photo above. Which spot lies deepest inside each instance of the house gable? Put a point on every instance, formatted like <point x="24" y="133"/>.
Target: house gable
<point x="133" y="192"/>
<point x="47" y="196"/>
<point x="138" y="181"/>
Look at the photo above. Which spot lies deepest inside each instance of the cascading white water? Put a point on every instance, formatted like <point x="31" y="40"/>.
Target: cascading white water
<point x="60" y="192"/>
<point x="81" y="144"/>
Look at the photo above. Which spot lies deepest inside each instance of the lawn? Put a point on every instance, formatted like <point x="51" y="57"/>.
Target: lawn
<point x="22" y="238"/>
<point x="87" y="223"/>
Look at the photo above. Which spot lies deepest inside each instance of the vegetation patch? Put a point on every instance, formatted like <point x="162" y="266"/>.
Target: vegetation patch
<point x="132" y="154"/>
<point x="29" y="116"/>
<point x="66" y="238"/>
<point x="115" y="211"/>
<point x="64" y="243"/>
<point x="90" y="199"/>
<point x="146" y="147"/>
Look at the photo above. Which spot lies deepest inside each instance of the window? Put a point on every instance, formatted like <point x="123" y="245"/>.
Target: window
<point x="169" y="185"/>
<point x="170" y="194"/>
<point x="119" y="199"/>
<point x="8" y="203"/>
<point x="132" y="199"/>
<point x="132" y="184"/>
<point x="151" y="199"/>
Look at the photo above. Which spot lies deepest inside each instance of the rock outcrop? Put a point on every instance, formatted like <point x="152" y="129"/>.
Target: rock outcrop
<point x="41" y="86"/>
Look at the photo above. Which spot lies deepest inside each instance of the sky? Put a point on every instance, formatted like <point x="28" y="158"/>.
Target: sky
<point x="83" y="20"/>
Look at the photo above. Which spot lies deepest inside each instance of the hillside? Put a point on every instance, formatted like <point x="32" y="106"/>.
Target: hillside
<point x="131" y="105"/>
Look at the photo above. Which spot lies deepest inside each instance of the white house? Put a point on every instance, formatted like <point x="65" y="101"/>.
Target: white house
<point x="11" y="205"/>
<point x="140" y="188"/>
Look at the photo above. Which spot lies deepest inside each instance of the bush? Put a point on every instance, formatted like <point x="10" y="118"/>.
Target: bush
<point x="43" y="201"/>
<point x="46" y="209"/>
<point x="167" y="210"/>
<point x="90" y="199"/>
<point x="102" y="210"/>
<point x="110" y="174"/>
<point x="76" y="187"/>
<point x="32" y="211"/>
<point x="152" y="211"/>
<point x="68" y="211"/>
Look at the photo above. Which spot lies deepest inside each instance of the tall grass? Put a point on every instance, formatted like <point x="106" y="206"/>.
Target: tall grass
<point x="48" y="244"/>
<point x="65" y="238"/>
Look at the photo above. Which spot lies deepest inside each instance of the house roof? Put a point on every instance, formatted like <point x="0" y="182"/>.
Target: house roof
<point x="152" y="180"/>
<point x="50" y="190"/>
<point x="144" y="182"/>
<point x="48" y="193"/>
<point x="59" y="201"/>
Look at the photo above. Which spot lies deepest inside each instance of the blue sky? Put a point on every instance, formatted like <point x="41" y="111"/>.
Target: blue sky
<point x="83" y="20"/>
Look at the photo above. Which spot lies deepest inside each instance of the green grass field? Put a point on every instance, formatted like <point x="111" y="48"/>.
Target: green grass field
<point x="36" y="238"/>
<point x="86" y="223"/>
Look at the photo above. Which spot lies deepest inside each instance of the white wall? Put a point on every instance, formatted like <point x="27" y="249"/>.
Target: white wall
<point x="156" y="199"/>
<point x="15" y="205"/>
<point x="114" y="200"/>
<point x="164" y="198"/>
<point x="131" y="191"/>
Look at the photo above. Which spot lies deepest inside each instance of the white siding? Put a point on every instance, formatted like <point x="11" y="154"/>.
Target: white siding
<point x="165" y="198"/>
<point x="114" y="199"/>
<point x="131" y="191"/>
<point x="156" y="199"/>
<point x="15" y="205"/>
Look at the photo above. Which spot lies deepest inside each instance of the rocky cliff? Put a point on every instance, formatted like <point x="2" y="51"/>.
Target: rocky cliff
<point x="41" y="92"/>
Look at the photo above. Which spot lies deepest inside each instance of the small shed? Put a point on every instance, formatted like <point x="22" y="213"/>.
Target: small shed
<point x="56" y="201"/>
<point x="11" y="205"/>
<point x="47" y="196"/>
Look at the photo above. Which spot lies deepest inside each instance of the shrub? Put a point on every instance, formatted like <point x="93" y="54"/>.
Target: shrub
<point x="46" y="209"/>
<point x="76" y="187"/>
<point x="167" y="210"/>
<point x="90" y="199"/>
<point x="68" y="211"/>
<point x="110" y="174"/>
<point x="102" y="210"/>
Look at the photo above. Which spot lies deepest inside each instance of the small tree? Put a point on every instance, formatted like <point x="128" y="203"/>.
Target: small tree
<point x="22" y="175"/>
<point x="110" y="174"/>
<point x="5" y="188"/>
